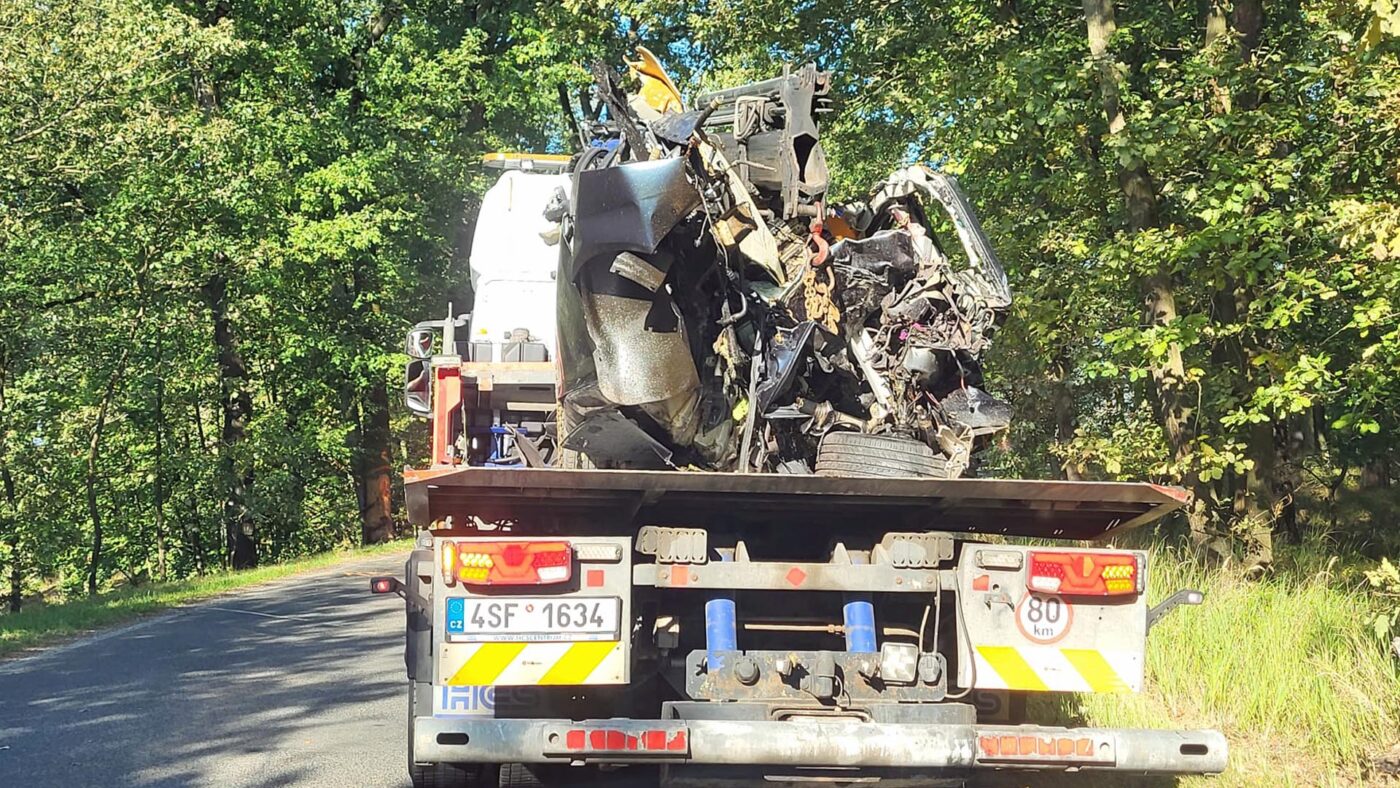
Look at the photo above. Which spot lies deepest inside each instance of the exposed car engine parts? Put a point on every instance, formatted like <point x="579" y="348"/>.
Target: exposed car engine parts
<point x="717" y="312"/>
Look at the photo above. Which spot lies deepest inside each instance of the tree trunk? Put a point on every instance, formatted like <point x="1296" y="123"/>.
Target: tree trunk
<point x="16" y="595"/>
<point x="158" y="486"/>
<point x="237" y="406"/>
<point x="94" y="451"/>
<point x="191" y="526"/>
<point x="376" y="514"/>
<point x="1261" y="482"/>
<point x="1066" y="418"/>
<point x="1173" y="403"/>
<point x="94" y="512"/>
<point x="95" y="445"/>
<point x="1261" y="506"/>
<point x="1375" y="474"/>
<point x="7" y="487"/>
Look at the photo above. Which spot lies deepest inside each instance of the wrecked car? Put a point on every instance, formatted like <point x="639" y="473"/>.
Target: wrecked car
<point x="719" y="311"/>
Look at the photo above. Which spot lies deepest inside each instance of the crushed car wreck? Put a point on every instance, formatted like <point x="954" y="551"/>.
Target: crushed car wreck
<point x="716" y="311"/>
<point x="720" y="601"/>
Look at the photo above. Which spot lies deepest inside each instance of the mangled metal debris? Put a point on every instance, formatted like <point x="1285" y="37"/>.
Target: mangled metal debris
<point x="717" y="311"/>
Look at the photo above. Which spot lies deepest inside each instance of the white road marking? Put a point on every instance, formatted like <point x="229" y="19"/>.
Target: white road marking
<point x="256" y="613"/>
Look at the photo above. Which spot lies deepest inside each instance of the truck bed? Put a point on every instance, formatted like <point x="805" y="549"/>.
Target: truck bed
<point x="1015" y="507"/>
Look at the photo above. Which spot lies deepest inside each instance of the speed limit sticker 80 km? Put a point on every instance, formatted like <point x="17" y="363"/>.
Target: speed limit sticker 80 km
<point x="1044" y="618"/>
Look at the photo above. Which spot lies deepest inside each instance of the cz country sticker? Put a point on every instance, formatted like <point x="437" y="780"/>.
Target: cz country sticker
<point x="1044" y="618"/>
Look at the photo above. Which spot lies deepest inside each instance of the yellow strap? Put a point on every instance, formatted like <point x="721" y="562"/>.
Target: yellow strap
<point x="486" y="663"/>
<point x="1012" y="667"/>
<point x="578" y="663"/>
<point x="1095" y="669"/>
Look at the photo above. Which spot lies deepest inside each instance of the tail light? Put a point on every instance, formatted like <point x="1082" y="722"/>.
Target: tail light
<point x="507" y="563"/>
<point x="1084" y="574"/>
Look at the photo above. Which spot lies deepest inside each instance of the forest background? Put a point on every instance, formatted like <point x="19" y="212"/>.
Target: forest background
<point x="217" y="220"/>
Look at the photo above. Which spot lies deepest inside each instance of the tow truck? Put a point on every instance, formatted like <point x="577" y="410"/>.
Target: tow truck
<point x="696" y="628"/>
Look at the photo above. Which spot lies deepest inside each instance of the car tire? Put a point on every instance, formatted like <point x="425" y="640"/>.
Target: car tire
<point x="887" y="456"/>
<point x="443" y="775"/>
<point x="570" y="459"/>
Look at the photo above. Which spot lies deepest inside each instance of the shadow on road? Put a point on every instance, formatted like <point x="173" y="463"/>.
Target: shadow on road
<point x="295" y="685"/>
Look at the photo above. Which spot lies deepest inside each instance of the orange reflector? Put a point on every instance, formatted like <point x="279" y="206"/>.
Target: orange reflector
<point x="1042" y="747"/>
<point x="1083" y="573"/>
<point x="448" y="563"/>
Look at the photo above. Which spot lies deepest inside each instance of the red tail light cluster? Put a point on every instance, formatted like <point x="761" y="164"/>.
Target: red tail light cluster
<point x="1084" y="573"/>
<point x="507" y="563"/>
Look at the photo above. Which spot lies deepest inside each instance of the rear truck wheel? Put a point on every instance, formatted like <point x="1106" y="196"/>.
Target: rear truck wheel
<point x="443" y="775"/>
<point x="859" y="454"/>
<point x="550" y="775"/>
<point x="518" y="775"/>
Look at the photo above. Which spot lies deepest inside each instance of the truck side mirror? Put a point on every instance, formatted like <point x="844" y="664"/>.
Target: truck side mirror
<point x="418" y="388"/>
<point x="420" y="342"/>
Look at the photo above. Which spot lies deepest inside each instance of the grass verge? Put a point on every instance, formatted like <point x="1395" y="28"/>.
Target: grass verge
<point x="38" y="625"/>
<point x="1287" y="668"/>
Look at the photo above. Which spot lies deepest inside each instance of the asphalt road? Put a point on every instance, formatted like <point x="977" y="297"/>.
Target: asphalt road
<point x="295" y="683"/>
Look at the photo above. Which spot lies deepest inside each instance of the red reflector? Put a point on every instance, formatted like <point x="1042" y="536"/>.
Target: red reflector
<point x="514" y="563"/>
<point x="1083" y="573"/>
<point x="601" y="740"/>
<point x="555" y="558"/>
<point x="382" y="585"/>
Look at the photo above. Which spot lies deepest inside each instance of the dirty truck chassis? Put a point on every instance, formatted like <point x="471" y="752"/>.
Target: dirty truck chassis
<point x="849" y="647"/>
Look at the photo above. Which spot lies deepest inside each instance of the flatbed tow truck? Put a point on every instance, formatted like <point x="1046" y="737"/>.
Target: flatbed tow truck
<point x="777" y="628"/>
<point x="706" y="628"/>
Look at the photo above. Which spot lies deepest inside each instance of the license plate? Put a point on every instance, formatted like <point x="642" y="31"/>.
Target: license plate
<point x="533" y="619"/>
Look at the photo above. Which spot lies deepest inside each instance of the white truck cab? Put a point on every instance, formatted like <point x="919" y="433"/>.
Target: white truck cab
<point x="514" y="258"/>
<point x="504" y="350"/>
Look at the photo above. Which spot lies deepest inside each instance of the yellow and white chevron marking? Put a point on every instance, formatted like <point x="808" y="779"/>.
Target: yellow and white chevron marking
<point x="1049" y="669"/>
<point x="533" y="664"/>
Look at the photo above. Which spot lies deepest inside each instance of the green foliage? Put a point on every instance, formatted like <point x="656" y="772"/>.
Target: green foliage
<point x="321" y="159"/>
<point x="1385" y="584"/>
<point x="1276" y="172"/>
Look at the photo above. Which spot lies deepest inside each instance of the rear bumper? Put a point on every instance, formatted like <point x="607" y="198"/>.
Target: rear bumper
<point x="819" y="744"/>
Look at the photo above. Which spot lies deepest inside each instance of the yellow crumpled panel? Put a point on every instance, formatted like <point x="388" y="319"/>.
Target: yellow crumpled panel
<point x="658" y="91"/>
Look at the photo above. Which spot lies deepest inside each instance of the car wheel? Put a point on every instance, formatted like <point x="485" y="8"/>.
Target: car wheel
<point x="859" y="454"/>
